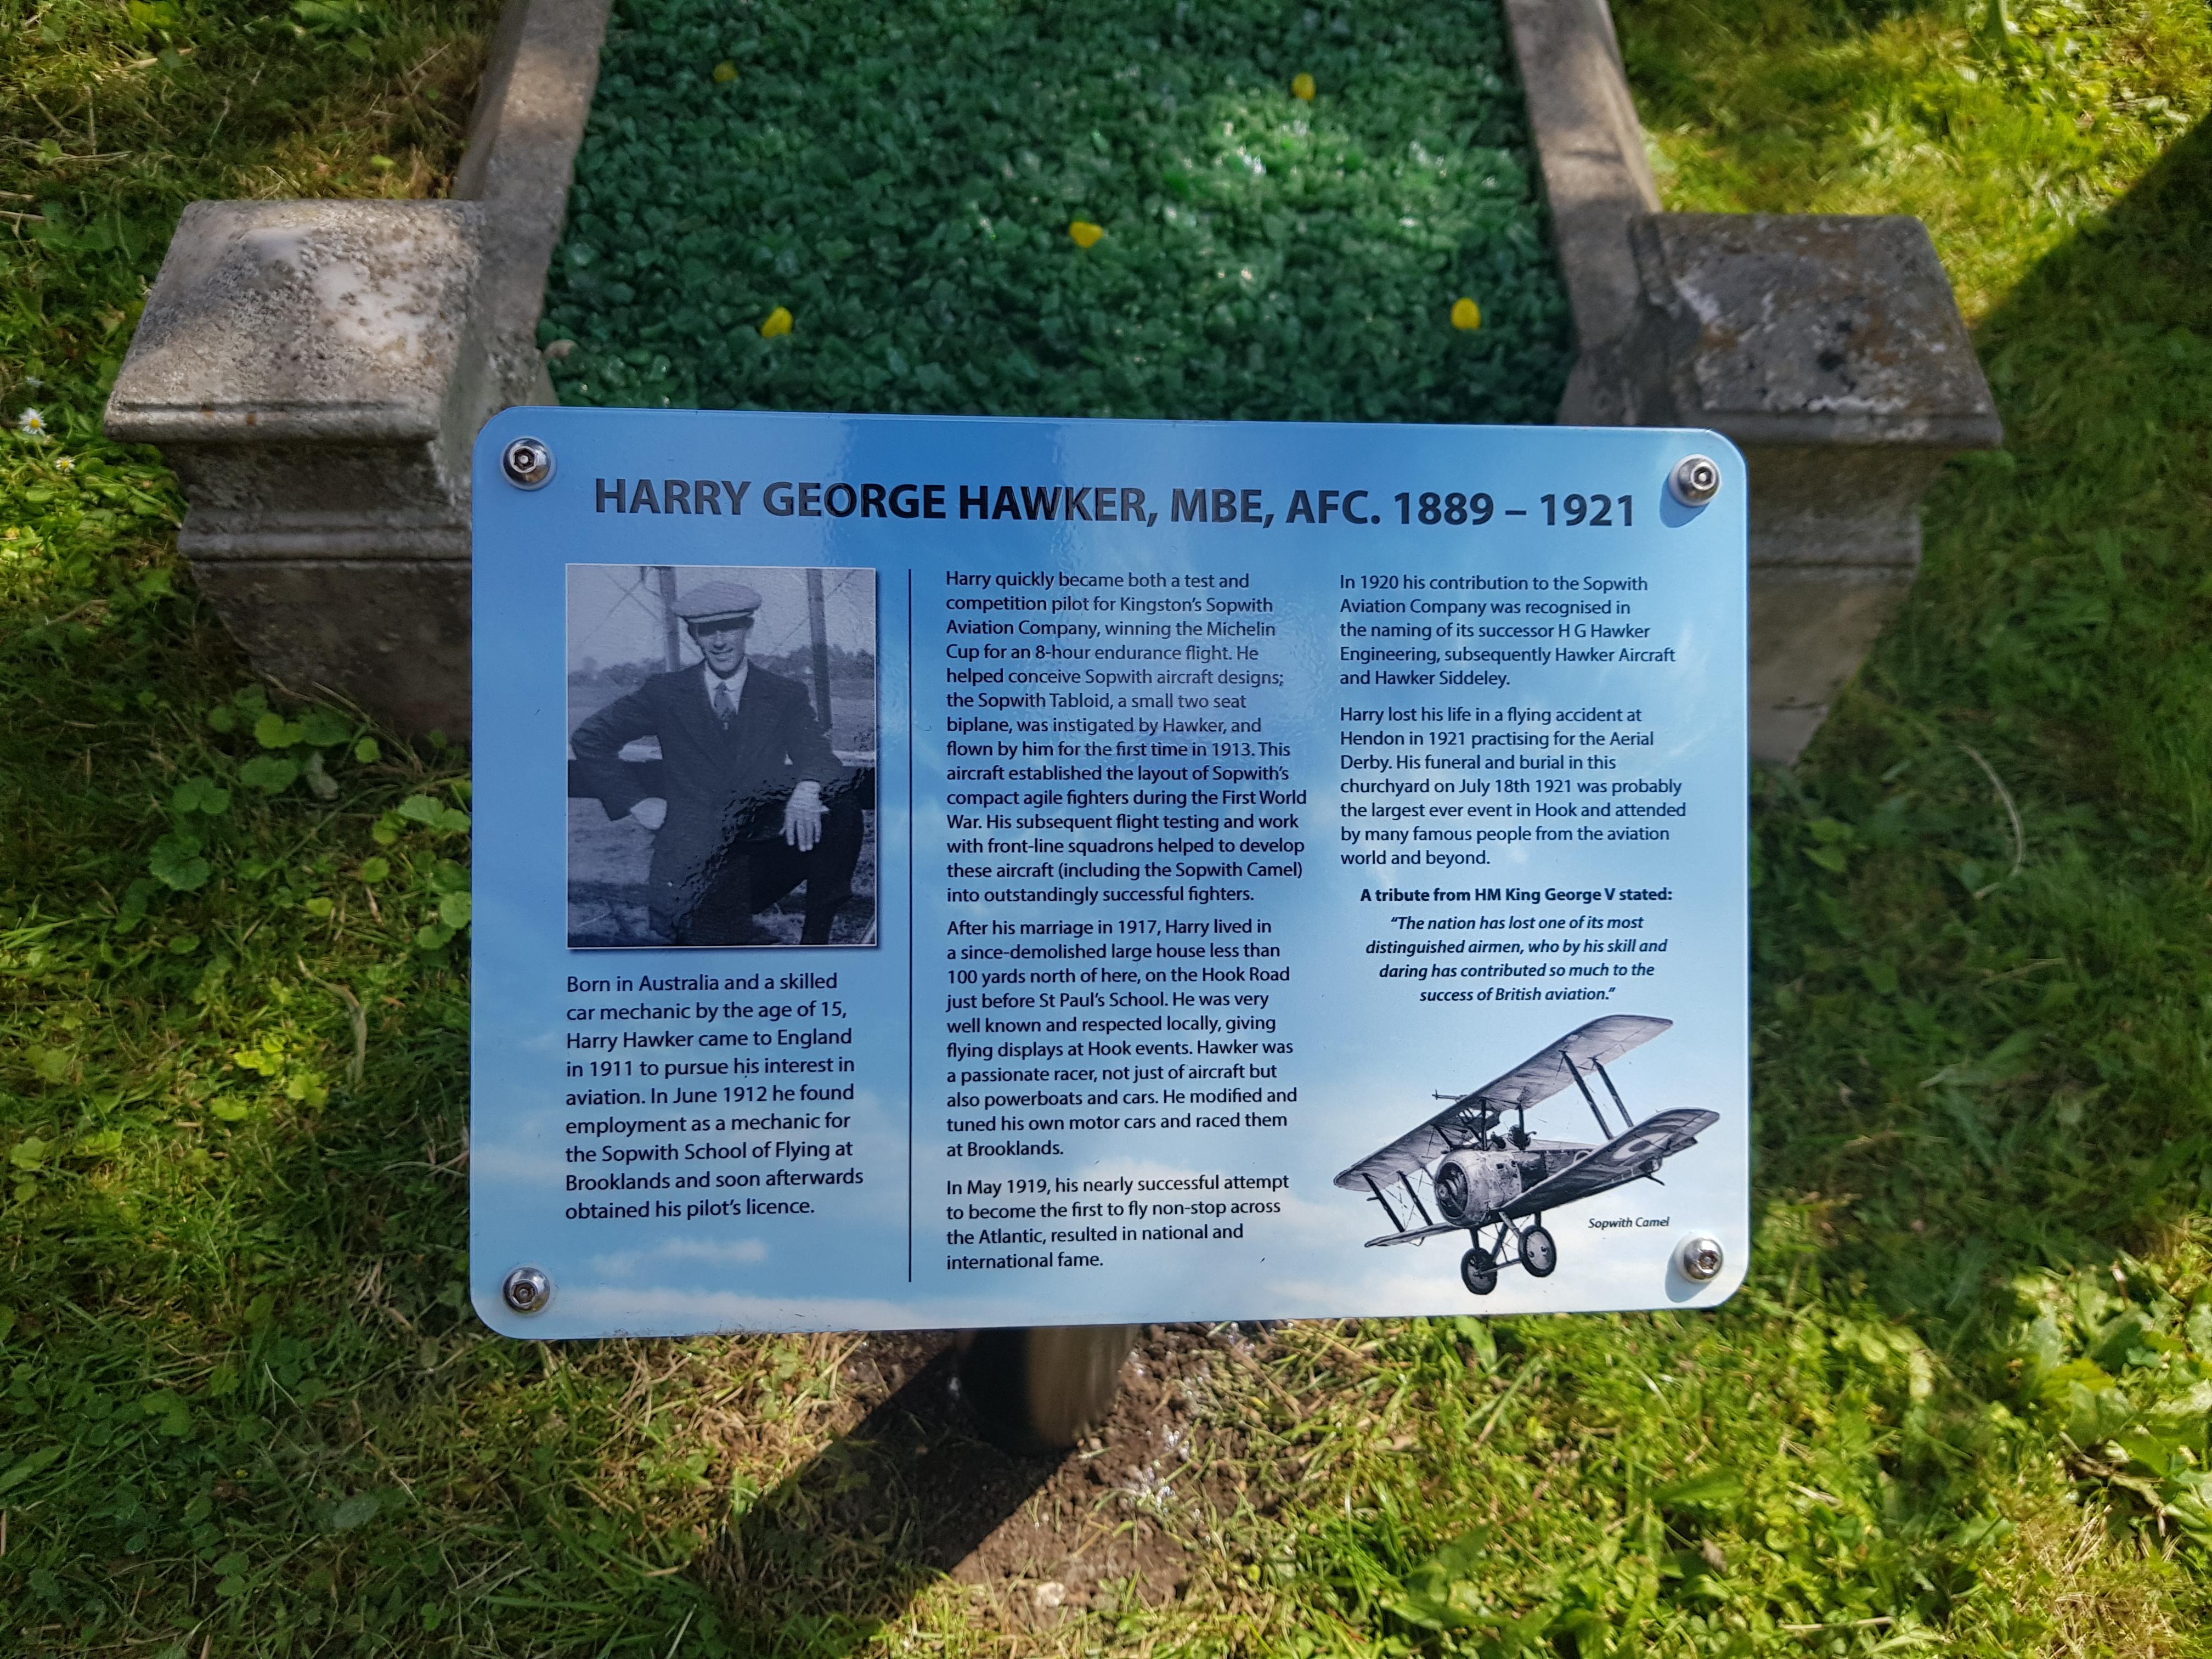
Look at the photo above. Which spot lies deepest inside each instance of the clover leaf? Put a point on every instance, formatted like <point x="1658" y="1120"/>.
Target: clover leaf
<point x="270" y="774"/>
<point x="201" y="794"/>
<point x="176" y="863"/>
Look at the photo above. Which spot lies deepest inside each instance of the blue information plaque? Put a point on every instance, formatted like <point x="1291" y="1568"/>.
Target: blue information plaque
<point x="937" y="872"/>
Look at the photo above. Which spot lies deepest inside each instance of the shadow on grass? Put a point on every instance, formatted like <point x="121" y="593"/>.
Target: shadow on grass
<point x="822" y="1561"/>
<point x="1987" y="1050"/>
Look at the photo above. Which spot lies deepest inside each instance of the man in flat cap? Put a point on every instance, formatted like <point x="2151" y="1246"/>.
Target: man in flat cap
<point x="744" y="765"/>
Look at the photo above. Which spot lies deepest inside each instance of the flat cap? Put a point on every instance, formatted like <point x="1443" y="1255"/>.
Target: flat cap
<point x="717" y="602"/>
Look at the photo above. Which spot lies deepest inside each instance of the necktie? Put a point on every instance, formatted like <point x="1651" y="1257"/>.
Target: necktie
<point x="723" y="707"/>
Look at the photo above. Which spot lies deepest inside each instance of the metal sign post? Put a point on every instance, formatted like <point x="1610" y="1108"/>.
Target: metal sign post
<point x="976" y="873"/>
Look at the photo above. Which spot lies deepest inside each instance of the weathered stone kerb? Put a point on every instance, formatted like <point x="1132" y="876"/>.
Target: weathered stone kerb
<point x="1827" y="347"/>
<point x="316" y="373"/>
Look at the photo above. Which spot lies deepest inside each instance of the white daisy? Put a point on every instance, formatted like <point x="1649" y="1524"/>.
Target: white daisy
<point x="31" y="422"/>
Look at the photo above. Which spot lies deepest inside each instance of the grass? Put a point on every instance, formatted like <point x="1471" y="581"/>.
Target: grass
<point x="1961" y="1406"/>
<point x="2009" y="128"/>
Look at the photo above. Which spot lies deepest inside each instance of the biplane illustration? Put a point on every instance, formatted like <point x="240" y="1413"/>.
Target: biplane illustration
<point x="1485" y="1175"/>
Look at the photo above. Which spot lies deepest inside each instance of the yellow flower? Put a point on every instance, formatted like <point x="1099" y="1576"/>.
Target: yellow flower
<point x="725" y="70"/>
<point x="779" y="322"/>
<point x="1301" y="86"/>
<point x="1086" y="233"/>
<point x="1465" y="314"/>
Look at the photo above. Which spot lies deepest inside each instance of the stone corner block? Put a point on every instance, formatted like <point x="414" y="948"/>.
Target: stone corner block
<point x="1829" y="349"/>
<point x="1795" y="328"/>
<point x="302" y="321"/>
<point x="316" y="373"/>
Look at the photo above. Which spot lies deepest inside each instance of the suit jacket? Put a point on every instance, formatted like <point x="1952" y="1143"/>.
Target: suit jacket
<point x="722" y="788"/>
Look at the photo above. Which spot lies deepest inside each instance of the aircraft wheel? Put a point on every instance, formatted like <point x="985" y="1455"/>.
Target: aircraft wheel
<point x="1478" y="1271"/>
<point x="1539" y="1253"/>
<point x="1037" y="1389"/>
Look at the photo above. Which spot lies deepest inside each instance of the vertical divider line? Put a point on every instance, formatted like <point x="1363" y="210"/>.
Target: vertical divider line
<point x="909" y="925"/>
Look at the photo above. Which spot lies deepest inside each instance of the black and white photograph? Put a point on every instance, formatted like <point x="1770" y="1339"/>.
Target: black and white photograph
<point x="721" y="756"/>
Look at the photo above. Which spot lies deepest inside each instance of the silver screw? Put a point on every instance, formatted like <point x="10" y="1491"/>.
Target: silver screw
<point x="1699" y="1258"/>
<point x="527" y="463"/>
<point x="527" y="1289"/>
<point x="1695" y="480"/>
